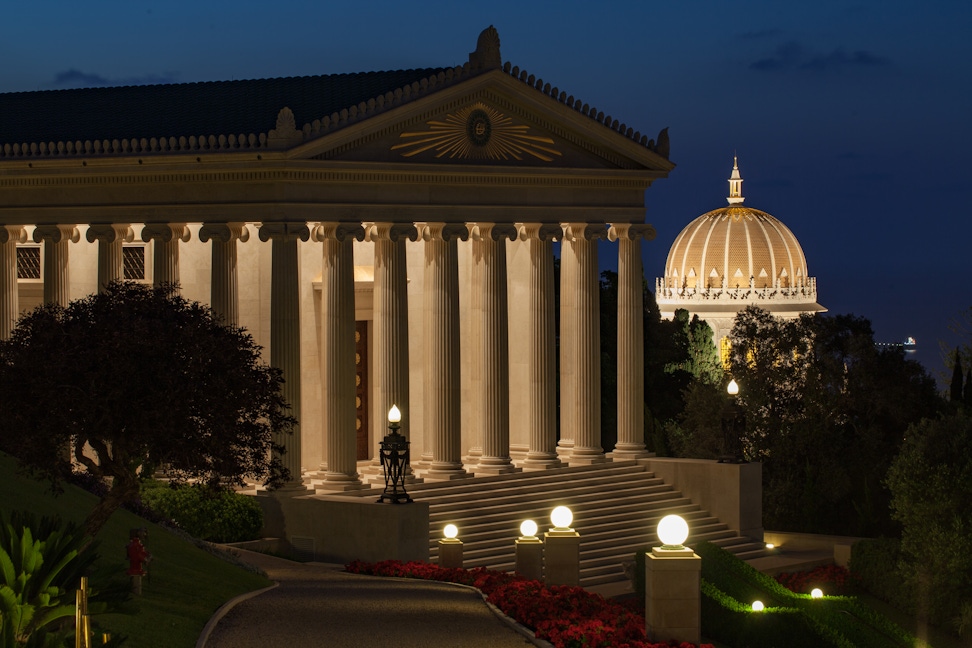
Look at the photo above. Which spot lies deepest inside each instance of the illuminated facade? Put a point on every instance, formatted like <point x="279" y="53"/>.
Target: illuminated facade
<point x="733" y="257"/>
<point x="388" y="238"/>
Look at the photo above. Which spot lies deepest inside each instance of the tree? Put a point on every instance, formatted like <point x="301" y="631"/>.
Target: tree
<point x="955" y="389"/>
<point x="826" y="412"/>
<point x="931" y="486"/>
<point x="135" y="378"/>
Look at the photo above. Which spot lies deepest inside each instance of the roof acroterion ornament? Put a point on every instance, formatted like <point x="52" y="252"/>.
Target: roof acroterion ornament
<point x="735" y="184"/>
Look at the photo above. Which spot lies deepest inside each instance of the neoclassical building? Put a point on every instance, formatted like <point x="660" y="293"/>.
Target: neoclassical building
<point x="730" y="258"/>
<point x="387" y="237"/>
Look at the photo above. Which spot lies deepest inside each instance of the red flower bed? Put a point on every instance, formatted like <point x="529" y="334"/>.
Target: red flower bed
<point x="832" y="579"/>
<point x="564" y="615"/>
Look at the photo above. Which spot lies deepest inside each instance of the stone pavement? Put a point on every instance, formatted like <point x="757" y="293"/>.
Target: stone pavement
<point x="318" y="604"/>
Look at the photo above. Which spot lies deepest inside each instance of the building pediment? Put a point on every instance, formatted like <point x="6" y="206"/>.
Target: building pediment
<point x="493" y="119"/>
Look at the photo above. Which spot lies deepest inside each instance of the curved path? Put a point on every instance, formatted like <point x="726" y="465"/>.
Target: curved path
<point x="316" y="604"/>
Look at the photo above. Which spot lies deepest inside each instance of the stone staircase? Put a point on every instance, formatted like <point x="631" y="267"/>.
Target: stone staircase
<point x="616" y="508"/>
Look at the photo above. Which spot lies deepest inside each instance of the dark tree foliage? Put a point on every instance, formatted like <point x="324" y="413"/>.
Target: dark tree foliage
<point x="955" y="389"/>
<point x="136" y="378"/>
<point x="608" y="303"/>
<point x="825" y="412"/>
<point x="931" y="487"/>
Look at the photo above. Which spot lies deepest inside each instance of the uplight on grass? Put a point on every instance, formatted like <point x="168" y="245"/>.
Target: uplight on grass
<point x="816" y="593"/>
<point x="757" y="606"/>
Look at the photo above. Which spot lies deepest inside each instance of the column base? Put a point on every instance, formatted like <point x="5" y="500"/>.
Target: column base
<point x="626" y="454"/>
<point x="541" y="461"/>
<point x="445" y="473"/>
<point x="564" y="450"/>
<point x="498" y="469"/>
<point x="583" y="457"/>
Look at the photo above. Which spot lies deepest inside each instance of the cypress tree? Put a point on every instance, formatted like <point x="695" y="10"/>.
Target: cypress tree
<point x="955" y="393"/>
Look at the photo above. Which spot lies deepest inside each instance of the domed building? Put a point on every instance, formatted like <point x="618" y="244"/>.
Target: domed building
<point x="732" y="257"/>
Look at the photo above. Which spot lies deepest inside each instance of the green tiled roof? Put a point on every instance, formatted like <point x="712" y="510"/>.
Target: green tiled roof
<point x="184" y="109"/>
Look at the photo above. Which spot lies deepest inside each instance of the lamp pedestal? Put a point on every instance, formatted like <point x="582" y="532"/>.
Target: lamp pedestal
<point x="561" y="557"/>
<point x="529" y="557"/>
<point x="450" y="553"/>
<point x="673" y="595"/>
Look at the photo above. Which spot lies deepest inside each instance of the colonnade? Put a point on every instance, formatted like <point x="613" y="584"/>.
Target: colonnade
<point x="580" y="398"/>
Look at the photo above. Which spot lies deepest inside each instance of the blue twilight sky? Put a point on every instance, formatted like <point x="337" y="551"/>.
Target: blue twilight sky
<point x="851" y="119"/>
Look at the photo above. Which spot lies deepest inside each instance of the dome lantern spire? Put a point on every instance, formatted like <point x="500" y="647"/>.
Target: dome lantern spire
<point x="735" y="184"/>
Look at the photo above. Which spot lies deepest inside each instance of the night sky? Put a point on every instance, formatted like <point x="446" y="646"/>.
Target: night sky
<point x="851" y="120"/>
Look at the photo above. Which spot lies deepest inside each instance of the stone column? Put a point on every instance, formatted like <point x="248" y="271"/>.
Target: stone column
<point x="10" y="236"/>
<point x="285" y="328"/>
<point x="390" y="332"/>
<point x="337" y="354"/>
<point x="111" y="261"/>
<point x="631" y="336"/>
<point x="224" y="283"/>
<point x="568" y="342"/>
<point x="441" y="323"/>
<point x="542" y="347"/>
<point x="57" y="280"/>
<point x="489" y="252"/>
<point x="586" y="350"/>
<point x="166" y="236"/>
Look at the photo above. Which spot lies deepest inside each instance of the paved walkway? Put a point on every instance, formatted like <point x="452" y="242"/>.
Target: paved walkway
<point x="317" y="604"/>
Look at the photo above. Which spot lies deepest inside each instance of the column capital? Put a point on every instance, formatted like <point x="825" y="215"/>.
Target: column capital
<point x="631" y="231"/>
<point x="110" y="232"/>
<point x="541" y="231"/>
<point x="165" y="232"/>
<point x="56" y="233"/>
<point x="443" y="231"/>
<point x="284" y="230"/>
<point x="390" y="231"/>
<point x="494" y="231"/>
<point x="15" y="233"/>
<point x="224" y="232"/>
<point x="338" y="231"/>
<point x="586" y="231"/>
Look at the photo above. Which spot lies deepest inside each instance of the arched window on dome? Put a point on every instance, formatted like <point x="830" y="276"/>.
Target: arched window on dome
<point x="690" y="279"/>
<point x="784" y="279"/>
<point x="763" y="281"/>
<point x="714" y="281"/>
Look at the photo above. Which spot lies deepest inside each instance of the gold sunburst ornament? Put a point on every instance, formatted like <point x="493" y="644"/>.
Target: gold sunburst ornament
<point x="477" y="132"/>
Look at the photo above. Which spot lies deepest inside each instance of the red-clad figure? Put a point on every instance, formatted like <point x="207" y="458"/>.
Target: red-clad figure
<point x="138" y="557"/>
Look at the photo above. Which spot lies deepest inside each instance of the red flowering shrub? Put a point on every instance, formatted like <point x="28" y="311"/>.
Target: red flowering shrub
<point x="832" y="579"/>
<point x="564" y="615"/>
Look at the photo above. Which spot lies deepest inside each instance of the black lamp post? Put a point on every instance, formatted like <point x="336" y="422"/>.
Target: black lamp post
<point x="394" y="461"/>
<point x="731" y="450"/>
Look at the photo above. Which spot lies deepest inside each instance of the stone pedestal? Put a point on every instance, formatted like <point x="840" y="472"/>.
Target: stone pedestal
<point x="450" y="553"/>
<point x="561" y="559"/>
<point x="529" y="558"/>
<point x="673" y="595"/>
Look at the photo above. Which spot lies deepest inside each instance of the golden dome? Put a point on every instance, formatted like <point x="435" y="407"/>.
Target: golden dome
<point x="736" y="247"/>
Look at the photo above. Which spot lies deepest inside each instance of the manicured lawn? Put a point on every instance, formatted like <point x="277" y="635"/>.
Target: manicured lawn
<point x="186" y="584"/>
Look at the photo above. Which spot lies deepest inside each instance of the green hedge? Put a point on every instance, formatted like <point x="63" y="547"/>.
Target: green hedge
<point x="205" y="513"/>
<point x="730" y="585"/>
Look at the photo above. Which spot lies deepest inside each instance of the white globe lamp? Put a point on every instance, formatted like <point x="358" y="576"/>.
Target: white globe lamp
<point x="528" y="529"/>
<point x="450" y="531"/>
<point x="561" y="517"/>
<point x="816" y="593"/>
<point x="758" y="606"/>
<point x="673" y="531"/>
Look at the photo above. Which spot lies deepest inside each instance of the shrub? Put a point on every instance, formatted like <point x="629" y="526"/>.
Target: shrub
<point x="41" y="564"/>
<point x="217" y="515"/>
<point x="831" y="579"/>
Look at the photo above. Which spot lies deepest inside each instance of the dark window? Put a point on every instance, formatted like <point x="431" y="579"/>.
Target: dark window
<point x="28" y="263"/>
<point x="134" y="260"/>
